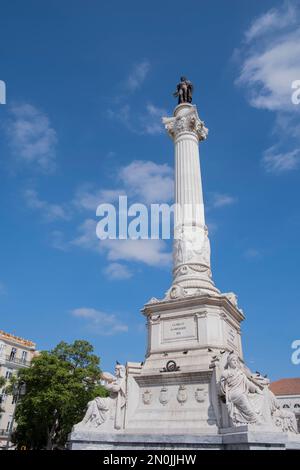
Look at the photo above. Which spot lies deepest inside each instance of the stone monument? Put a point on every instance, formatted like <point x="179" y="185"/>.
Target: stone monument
<point x="193" y="390"/>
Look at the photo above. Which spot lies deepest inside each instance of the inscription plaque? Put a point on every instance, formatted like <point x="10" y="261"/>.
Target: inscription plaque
<point x="179" y="329"/>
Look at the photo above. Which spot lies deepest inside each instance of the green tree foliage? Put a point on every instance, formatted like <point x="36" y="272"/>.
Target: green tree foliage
<point x="58" y="386"/>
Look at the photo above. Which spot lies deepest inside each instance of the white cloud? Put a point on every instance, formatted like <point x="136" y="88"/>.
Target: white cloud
<point x="142" y="180"/>
<point x="50" y="212"/>
<point x="268" y="74"/>
<point x="88" y="197"/>
<point x="271" y="58"/>
<point x="137" y="75"/>
<point x="270" y="63"/>
<point x="100" y="322"/>
<point x="117" y="271"/>
<point x="272" y="20"/>
<point x="149" y="181"/>
<point x="275" y="162"/>
<point x="31" y="137"/>
<point x="221" y="200"/>
<point x="150" y="252"/>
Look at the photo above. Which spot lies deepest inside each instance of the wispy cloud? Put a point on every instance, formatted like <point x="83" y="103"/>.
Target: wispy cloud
<point x="143" y="122"/>
<point x="221" y="200"/>
<point x="88" y="197"/>
<point x="57" y="240"/>
<point x="275" y="162"/>
<point x="150" y="120"/>
<point x="100" y="322"/>
<point x="49" y="212"/>
<point x="272" y="20"/>
<point x="31" y="137"/>
<point x="137" y="75"/>
<point x="270" y="63"/>
<point x="271" y="58"/>
<point x="87" y="237"/>
<point x="117" y="272"/>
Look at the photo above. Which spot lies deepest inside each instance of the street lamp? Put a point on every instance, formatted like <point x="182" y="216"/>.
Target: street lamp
<point x="18" y="391"/>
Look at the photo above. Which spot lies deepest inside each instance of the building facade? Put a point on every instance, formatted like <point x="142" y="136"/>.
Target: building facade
<point x="15" y="353"/>
<point x="287" y="391"/>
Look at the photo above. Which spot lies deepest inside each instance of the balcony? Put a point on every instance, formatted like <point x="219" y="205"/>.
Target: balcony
<point x="4" y="432"/>
<point x="17" y="360"/>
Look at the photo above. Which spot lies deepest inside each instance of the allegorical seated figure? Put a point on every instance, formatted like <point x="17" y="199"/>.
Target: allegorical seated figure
<point x="107" y="413"/>
<point x="242" y="396"/>
<point x="249" y="399"/>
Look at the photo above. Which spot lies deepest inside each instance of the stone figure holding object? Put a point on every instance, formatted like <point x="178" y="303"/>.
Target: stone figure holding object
<point x="249" y="399"/>
<point x="107" y="413"/>
<point x="240" y="394"/>
<point x="184" y="91"/>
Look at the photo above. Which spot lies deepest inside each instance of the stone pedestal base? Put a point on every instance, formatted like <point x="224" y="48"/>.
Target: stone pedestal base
<point x="231" y="439"/>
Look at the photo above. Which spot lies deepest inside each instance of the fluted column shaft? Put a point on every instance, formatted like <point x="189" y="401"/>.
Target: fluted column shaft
<point x="188" y="185"/>
<point x="191" y="252"/>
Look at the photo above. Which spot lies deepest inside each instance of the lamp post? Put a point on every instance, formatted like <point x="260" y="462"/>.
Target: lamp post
<point x="18" y="391"/>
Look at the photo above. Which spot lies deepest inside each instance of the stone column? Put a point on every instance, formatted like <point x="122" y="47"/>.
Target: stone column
<point x="191" y="251"/>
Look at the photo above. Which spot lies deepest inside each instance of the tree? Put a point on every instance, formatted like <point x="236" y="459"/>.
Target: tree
<point x="59" y="385"/>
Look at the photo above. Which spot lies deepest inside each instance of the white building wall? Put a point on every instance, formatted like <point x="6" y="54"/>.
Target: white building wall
<point x="15" y="353"/>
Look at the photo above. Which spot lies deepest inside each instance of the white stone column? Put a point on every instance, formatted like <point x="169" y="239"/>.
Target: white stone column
<point x="191" y="251"/>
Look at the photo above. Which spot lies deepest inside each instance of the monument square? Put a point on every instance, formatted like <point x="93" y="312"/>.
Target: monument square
<point x="193" y="390"/>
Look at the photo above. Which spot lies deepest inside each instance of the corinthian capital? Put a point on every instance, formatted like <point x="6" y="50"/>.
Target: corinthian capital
<point x="188" y="121"/>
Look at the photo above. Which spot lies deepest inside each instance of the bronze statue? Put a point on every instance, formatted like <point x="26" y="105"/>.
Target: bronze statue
<point x="184" y="91"/>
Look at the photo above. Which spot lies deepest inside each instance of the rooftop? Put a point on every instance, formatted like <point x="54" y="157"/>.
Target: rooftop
<point x="286" y="386"/>
<point x="16" y="339"/>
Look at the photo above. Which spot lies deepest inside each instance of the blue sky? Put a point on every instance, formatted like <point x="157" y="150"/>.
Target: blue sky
<point x="87" y="84"/>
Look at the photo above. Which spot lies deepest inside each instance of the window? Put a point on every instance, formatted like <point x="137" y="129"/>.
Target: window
<point x="13" y="353"/>
<point x="7" y="426"/>
<point x="8" y="374"/>
<point x="24" y="357"/>
<point x="297" y="405"/>
<point x="285" y="406"/>
<point x="14" y="399"/>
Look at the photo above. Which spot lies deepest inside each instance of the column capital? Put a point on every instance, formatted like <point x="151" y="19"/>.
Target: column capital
<point x="185" y="121"/>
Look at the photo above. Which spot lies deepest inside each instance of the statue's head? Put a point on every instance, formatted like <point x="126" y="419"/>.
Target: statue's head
<point x="232" y="361"/>
<point x="120" y="370"/>
<point x="183" y="79"/>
